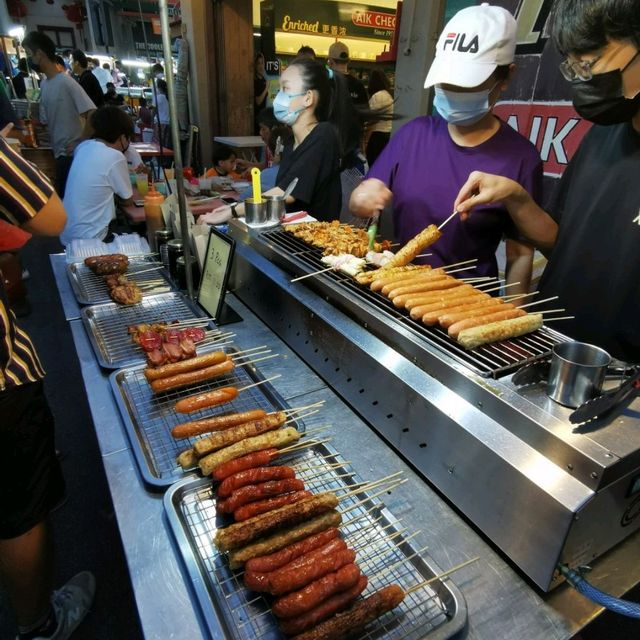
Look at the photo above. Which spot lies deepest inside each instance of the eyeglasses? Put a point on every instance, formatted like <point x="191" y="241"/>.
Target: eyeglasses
<point x="578" y="69"/>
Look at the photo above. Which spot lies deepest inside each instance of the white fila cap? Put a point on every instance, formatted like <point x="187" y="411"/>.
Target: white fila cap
<point x="473" y="43"/>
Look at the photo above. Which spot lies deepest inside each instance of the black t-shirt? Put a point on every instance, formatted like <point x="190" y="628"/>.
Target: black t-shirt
<point x="259" y="85"/>
<point x="316" y="164"/>
<point x="357" y="91"/>
<point x="595" y="264"/>
<point x="92" y="88"/>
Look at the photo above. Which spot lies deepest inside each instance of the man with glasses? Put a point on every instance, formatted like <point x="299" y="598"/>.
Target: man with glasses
<point x="591" y="233"/>
<point x="98" y="173"/>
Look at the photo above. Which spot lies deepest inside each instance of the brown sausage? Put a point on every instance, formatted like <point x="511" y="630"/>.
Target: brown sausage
<point x="205" y="400"/>
<point x="455" y="305"/>
<point x="184" y="366"/>
<point x="430" y="297"/>
<point x="273" y="561"/>
<point x="461" y="297"/>
<point x="217" y="423"/>
<point x="501" y="330"/>
<point x="253" y="492"/>
<point x="384" y="276"/>
<point x="424" y="284"/>
<point x="299" y="602"/>
<point x="324" y="610"/>
<point x="253" y="476"/>
<point x="263" y="506"/>
<point x="441" y="286"/>
<point x="492" y="306"/>
<point x="192" y="377"/>
<point x="416" y="277"/>
<point x="255" y="459"/>
<point x="469" y="323"/>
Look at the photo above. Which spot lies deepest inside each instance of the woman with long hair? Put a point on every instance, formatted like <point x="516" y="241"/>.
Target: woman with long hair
<point x="260" y="89"/>
<point x="380" y="99"/>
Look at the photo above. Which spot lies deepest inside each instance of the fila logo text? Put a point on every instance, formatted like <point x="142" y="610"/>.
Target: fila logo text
<point x="458" y="42"/>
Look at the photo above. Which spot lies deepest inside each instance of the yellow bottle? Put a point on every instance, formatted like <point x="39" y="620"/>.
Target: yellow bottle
<point x="153" y="215"/>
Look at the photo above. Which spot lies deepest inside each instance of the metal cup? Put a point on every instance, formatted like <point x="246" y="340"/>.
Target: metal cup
<point x="255" y="212"/>
<point x="577" y="373"/>
<point x="275" y="208"/>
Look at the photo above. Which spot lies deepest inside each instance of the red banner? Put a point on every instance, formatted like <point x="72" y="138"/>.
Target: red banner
<point x="553" y="127"/>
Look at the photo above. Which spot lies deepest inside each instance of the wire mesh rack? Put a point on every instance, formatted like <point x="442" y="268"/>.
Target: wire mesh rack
<point x="149" y="417"/>
<point x="107" y="324"/>
<point x="383" y="553"/>
<point x="92" y="289"/>
<point x="491" y="360"/>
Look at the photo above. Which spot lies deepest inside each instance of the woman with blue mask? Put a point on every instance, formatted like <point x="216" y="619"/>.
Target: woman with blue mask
<point x="425" y="163"/>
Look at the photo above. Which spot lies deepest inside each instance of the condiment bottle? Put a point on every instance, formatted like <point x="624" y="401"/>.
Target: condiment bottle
<point x="153" y="215"/>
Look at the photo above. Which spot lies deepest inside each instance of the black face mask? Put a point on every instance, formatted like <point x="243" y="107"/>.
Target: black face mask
<point x="602" y="100"/>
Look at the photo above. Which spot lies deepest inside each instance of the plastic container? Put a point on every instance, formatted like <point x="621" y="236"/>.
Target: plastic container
<point x="147" y="135"/>
<point x="153" y="215"/>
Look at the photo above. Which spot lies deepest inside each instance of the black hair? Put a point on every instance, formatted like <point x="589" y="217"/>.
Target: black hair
<point x="221" y="152"/>
<point x="142" y="102"/>
<point x="378" y="81"/>
<point x="38" y="41"/>
<point x="581" y="26"/>
<point x="95" y="62"/>
<point x="157" y="68"/>
<point x="106" y="66"/>
<point x="109" y="123"/>
<point x="267" y="118"/>
<point x="60" y="61"/>
<point x="79" y="58"/>
<point x="306" y="50"/>
<point x="501" y="72"/>
<point x="23" y="66"/>
<point x="161" y="85"/>
<point x="281" y="131"/>
<point x="110" y="85"/>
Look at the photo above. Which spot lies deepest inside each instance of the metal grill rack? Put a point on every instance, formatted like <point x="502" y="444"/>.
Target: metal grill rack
<point x="106" y="325"/>
<point x="492" y="360"/>
<point x="436" y="612"/>
<point x="149" y="418"/>
<point x="91" y="289"/>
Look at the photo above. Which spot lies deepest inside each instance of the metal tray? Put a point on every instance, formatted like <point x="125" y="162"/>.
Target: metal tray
<point x="106" y="325"/>
<point x="436" y="612"/>
<point x="148" y="418"/>
<point x="91" y="289"/>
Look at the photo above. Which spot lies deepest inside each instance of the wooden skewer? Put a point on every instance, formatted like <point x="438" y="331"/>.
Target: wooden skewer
<point x="370" y="484"/>
<point x="309" y="275"/>
<point x="424" y="255"/>
<point x="315" y="431"/>
<point x="517" y="296"/>
<point x="257" y="384"/>
<point x="348" y="523"/>
<point x="453" y="215"/>
<point x="303" y="445"/>
<point x="399" y="562"/>
<point x="444" y="574"/>
<point x="358" y="533"/>
<point x="561" y="318"/>
<point x="301" y="416"/>
<point x="237" y="353"/>
<point x="550" y="311"/>
<point x="309" y="406"/>
<point x="317" y="478"/>
<point x="531" y="304"/>
<point x="334" y="465"/>
<point x="457" y="264"/>
<point x="237" y="358"/>
<point x="371" y="548"/>
<point x="275" y="355"/>
<point x="471" y="266"/>
<point x="146" y="270"/>
<point x="373" y="495"/>
<point x="500" y="286"/>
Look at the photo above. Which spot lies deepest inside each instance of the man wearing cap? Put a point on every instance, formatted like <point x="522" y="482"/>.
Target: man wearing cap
<point x="426" y="162"/>
<point x="338" y="60"/>
<point x="591" y="232"/>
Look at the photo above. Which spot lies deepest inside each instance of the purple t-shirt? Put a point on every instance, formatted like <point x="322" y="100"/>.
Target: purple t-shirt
<point x="425" y="169"/>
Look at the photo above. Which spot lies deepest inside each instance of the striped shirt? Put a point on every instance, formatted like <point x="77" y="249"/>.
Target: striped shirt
<point x="24" y="191"/>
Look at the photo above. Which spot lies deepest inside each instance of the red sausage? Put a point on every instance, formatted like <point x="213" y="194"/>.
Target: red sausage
<point x="253" y="476"/>
<point x="299" y="602"/>
<point x="277" y="559"/>
<point x="256" y="459"/>
<point x="253" y="492"/>
<point x="324" y="610"/>
<point x="262" y="506"/>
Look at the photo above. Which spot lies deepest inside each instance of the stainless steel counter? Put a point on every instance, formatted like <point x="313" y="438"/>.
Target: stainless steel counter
<point x="501" y="603"/>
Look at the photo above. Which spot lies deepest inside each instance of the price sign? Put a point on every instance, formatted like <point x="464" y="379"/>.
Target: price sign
<point x="217" y="265"/>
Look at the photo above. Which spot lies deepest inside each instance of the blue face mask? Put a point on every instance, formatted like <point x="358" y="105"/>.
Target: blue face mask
<point x="463" y="109"/>
<point x="281" y="105"/>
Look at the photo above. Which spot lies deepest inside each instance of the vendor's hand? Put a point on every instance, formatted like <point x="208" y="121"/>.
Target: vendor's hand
<point x="369" y="198"/>
<point x="241" y="163"/>
<point x="142" y="168"/>
<point x="219" y="215"/>
<point x="484" y="188"/>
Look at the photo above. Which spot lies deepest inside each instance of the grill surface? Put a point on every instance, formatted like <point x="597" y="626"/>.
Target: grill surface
<point x="492" y="360"/>
<point x="437" y="611"/>
<point x="149" y="418"/>
<point x="91" y="289"/>
<point x="107" y="325"/>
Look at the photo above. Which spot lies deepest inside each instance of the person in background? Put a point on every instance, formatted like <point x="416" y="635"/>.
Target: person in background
<point x="102" y="74"/>
<point x="18" y="81"/>
<point x="31" y="481"/>
<point x="426" y="161"/>
<point x="145" y="114"/>
<point x="224" y="163"/>
<point x="591" y="232"/>
<point x="61" y="65"/>
<point x="112" y="97"/>
<point x="338" y="61"/>
<point x="64" y="106"/>
<point x="98" y="173"/>
<point x="266" y="122"/>
<point x="87" y="80"/>
<point x="162" y="114"/>
<point x="260" y="89"/>
<point x="157" y="72"/>
<point x="380" y="99"/>
<point x="305" y="51"/>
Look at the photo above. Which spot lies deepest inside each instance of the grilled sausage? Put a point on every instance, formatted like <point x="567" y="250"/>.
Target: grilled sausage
<point x="188" y="459"/>
<point x="216" y="423"/>
<point x="368" y="277"/>
<point x="331" y="606"/>
<point x="253" y="492"/>
<point x="460" y="296"/>
<point x="299" y="602"/>
<point x="240" y="534"/>
<point x="273" y="561"/>
<point x="353" y="620"/>
<point x="496" y="304"/>
<point x="205" y="400"/>
<point x="263" y="506"/>
<point x="412" y="278"/>
<point x="253" y="476"/>
<point x="440" y="286"/>
<point x="413" y="248"/>
<point x="225" y="438"/>
<point x="438" y="296"/>
<point x="284" y="538"/>
<point x="192" y="377"/>
<point x="455" y="305"/>
<point x="472" y="338"/>
<point x="488" y="318"/>
<point x="184" y="366"/>
<point x="279" y="438"/>
<point x="426" y="282"/>
<point x="251" y="460"/>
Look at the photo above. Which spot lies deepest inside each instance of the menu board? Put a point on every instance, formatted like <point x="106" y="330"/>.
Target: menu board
<point x="215" y="273"/>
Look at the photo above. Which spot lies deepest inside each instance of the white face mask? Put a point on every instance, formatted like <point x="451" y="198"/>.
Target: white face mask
<point x="281" y="105"/>
<point x="464" y="109"/>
